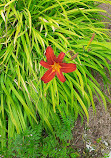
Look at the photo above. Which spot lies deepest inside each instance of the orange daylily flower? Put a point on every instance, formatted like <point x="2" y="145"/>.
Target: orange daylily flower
<point x="55" y="66"/>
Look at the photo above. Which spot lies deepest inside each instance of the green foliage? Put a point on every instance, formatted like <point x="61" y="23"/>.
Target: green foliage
<point x="27" y="28"/>
<point x="25" y="144"/>
<point x="35" y="143"/>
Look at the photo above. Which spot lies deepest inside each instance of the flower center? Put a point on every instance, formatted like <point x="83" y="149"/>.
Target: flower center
<point x="56" y="67"/>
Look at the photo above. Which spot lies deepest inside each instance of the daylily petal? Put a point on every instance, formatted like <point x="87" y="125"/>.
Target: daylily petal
<point x="45" y="64"/>
<point x="50" y="55"/>
<point x="60" y="76"/>
<point x="48" y="76"/>
<point x="60" y="57"/>
<point x="67" y="67"/>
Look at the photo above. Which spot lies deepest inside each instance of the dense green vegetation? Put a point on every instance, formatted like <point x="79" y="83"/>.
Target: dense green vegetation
<point x="27" y="29"/>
